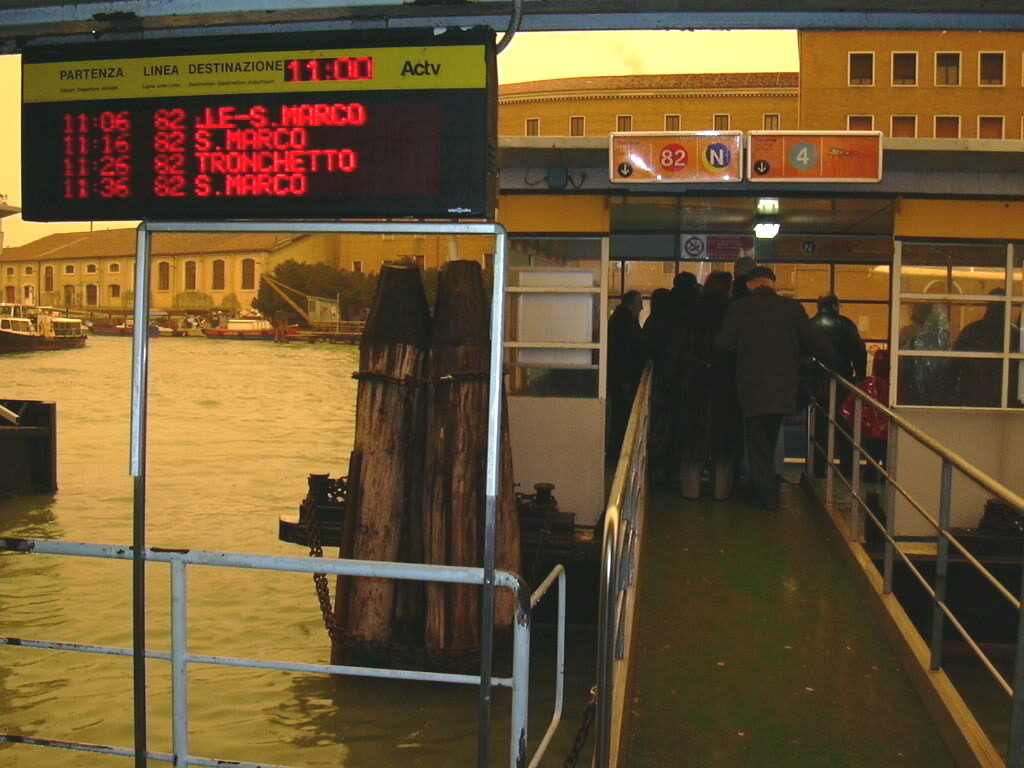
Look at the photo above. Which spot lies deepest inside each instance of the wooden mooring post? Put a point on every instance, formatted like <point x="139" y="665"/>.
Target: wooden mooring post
<point x="385" y="506"/>
<point x="455" y="471"/>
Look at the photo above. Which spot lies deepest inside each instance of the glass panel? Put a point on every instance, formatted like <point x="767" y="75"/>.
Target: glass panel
<point x="553" y="252"/>
<point x="947" y="268"/>
<point x="904" y="68"/>
<point x="645" y="276"/>
<point x="990" y="127"/>
<point x="947" y="69"/>
<point x="861" y="68"/>
<point x="806" y="282"/>
<point x="1017" y="273"/>
<point x="924" y="381"/>
<point x="553" y="382"/>
<point x="904" y="126"/>
<point x="991" y="66"/>
<point x="947" y="127"/>
<point x="872" y="319"/>
<point x="860" y="123"/>
<point x="963" y="382"/>
<point x="614" y="278"/>
<point x="857" y="281"/>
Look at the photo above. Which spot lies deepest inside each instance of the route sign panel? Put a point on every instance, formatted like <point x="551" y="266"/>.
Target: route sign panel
<point x="818" y="156"/>
<point x="277" y="126"/>
<point x="670" y="157"/>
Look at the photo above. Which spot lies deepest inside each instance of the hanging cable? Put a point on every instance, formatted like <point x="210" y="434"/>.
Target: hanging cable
<point x="513" y="25"/>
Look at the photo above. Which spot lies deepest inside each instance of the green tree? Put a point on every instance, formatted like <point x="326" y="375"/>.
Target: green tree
<point x="354" y="288"/>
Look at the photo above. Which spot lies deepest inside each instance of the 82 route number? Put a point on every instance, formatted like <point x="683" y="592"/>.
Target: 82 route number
<point x="673" y="157"/>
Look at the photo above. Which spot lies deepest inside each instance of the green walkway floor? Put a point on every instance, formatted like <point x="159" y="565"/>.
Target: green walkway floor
<point x="756" y="648"/>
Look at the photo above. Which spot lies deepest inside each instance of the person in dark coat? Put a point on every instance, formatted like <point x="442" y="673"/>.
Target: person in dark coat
<point x="627" y="355"/>
<point x="710" y="428"/>
<point x="978" y="382"/>
<point x="661" y="336"/>
<point x="767" y="333"/>
<point x="851" y="358"/>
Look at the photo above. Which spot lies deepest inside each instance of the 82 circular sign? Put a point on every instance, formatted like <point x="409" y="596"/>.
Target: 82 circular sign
<point x="673" y="157"/>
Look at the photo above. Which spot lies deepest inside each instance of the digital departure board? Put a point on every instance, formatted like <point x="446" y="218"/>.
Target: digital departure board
<point x="261" y="127"/>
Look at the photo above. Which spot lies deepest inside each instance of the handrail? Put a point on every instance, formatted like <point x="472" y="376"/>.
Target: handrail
<point x="931" y="443"/>
<point x="941" y="523"/>
<point x="180" y="658"/>
<point x="627" y="486"/>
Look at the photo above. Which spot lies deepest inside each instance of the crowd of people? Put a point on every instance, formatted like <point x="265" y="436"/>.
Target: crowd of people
<point x="731" y="360"/>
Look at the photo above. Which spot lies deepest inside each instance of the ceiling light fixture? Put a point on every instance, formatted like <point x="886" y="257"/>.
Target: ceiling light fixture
<point x="768" y="205"/>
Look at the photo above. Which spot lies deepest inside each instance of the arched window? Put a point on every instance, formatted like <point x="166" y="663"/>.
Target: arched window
<point x="248" y="274"/>
<point x="91" y="296"/>
<point x="190" y="275"/>
<point x="30" y="294"/>
<point x="218" y="275"/>
<point x="48" y="280"/>
<point x="163" y="278"/>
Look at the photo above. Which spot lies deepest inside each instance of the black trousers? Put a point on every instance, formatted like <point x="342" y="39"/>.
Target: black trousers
<point x="762" y="432"/>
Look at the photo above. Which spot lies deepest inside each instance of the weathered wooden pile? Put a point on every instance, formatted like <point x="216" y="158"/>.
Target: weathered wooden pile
<point x="418" y="469"/>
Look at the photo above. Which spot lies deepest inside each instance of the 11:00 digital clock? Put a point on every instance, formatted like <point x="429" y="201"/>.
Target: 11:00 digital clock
<point x="316" y="132"/>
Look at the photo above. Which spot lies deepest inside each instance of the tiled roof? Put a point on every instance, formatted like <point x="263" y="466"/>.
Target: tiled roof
<point x="705" y="81"/>
<point x="119" y="243"/>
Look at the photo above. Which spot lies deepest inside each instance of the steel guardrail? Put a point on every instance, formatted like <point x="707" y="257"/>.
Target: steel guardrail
<point x="179" y="657"/>
<point x="620" y="522"/>
<point x="940" y="523"/>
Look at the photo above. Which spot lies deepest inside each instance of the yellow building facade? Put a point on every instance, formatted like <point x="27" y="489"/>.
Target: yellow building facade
<point x="596" y="106"/>
<point x="958" y="85"/>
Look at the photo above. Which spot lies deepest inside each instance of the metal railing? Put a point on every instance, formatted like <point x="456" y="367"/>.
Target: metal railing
<point x="180" y="658"/>
<point x="623" y="524"/>
<point x="861" y="512"/>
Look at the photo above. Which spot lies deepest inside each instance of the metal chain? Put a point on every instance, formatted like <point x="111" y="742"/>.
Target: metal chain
<point x="457" y="656"/>
<point x="583" y="732"/>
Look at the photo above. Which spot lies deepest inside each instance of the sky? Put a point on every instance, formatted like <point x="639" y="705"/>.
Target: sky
<point x="529" y="56"/>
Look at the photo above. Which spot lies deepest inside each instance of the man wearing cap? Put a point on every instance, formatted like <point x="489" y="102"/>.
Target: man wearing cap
<point x="767" y="334"/>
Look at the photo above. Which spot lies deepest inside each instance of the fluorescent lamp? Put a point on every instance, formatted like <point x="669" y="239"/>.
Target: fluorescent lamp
<point x="768" y="205"/>
<point x="766" y="229"/>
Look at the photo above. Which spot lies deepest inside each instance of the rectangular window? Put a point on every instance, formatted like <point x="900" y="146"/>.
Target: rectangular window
<point x="114" y="267"/>
<point x="624" y="123"/>
<point x="862" y="69"/>
<point x="576" y="126"/>
<point x="904" y="126"/>
<point x="947" y="127"/>
<point x="115" y="291"/>
<point x="860" y="122"/>
<point x="90" y="268"/>
<point x="69" y="269"/>
<point x="990" y="127"/>
<point x="357" y="266"/>
<point x="533" y="126"/>
<point x="991" y="69"/>
<point x="721" y="123"/>
<point x="904" y="69"/>
<point x="672" y="122"/>
<point x="771" y="122"/>
<point x="947" y="69"/>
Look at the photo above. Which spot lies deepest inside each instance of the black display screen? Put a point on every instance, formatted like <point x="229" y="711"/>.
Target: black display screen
<point x="264" y="127"/>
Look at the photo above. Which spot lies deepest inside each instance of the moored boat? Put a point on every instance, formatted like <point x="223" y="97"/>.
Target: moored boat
<point x="247" y="328"/>
<point x="21" y="332"/>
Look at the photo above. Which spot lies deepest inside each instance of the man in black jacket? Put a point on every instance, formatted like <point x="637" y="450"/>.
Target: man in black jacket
<point x="768" y="334"/>
<point x="851" y="359"/>
<point x="627" y="355"/>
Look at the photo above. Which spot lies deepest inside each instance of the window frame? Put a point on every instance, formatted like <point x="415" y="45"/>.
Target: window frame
<point x="1002" y="80"/>
<point x="679" y="122"/>
<point x="870" y="117"/>
<point x="778" y="121"/>
<point x="69" y="269"/>
<point x="163" y="268"/>
<point x="246" y="278"/>
<point x="583" y="125"/>
<point x="618" y="123"/>
<point x="959" y="69"/>
<point x="892" y="69"/>
<point x="92" y="269"/>
<point x="1002" y="128"/>
<point x="29" y="270"/>
<point x="892" y="123"/>
<point x="113" y="267"/>
<point x="48" y="278"/>
<point x="849" y="69"/>
<point x="357" y="266"/>
<point x="533" y="122"/>
<point x="728" y="121"/>
<point x="114" y="290"/>
<point x="935" y="126"/>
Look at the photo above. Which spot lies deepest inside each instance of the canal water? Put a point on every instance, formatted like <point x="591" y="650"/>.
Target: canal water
<point x="234" y="429"/>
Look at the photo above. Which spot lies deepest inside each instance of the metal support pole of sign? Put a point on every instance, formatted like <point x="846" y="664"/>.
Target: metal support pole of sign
<point x="179" y="663"/>
<point x="140" y="381"/>
<point x="856" y="513"/>
<point x="941" y="564"/>
<point x="1015" y="750"/>
<point x="493" y="486"/>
